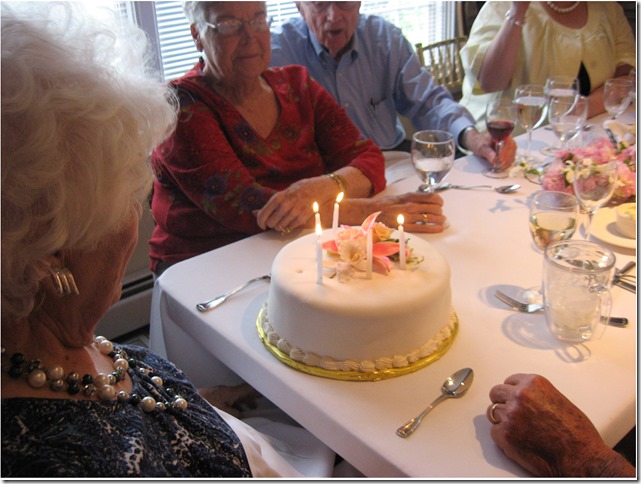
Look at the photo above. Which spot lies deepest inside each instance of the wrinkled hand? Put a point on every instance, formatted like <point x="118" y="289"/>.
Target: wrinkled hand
<point x="480" y="144"/>
<point x="540" y="429"/>
<point x="292" y="207"/>
<point x="232" y="400"/>
<point x="423" y="212"/>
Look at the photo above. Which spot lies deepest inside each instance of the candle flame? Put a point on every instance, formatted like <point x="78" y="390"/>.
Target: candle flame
<point x="400" y="219"/>
<point x="315" y="207"/>
<point x="339" y="197"/>
<point x="319" y="230"/>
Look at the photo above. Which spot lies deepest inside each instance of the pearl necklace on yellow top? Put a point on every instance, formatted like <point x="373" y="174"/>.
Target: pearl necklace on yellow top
<point x="558" y="9"/>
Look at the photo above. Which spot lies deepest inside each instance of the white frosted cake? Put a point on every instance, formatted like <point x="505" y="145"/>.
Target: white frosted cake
<point x="355" y="328"/>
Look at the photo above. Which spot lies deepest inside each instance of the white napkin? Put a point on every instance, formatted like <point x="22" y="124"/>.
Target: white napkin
<point x="622" y="133"/>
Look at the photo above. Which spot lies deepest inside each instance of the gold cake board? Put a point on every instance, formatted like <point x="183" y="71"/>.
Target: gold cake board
<point x="376" y="375"/>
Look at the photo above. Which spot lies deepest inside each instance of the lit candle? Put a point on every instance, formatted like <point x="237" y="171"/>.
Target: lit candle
<point x="401" y="240"/>
<point x="370" y="250"/>
<point x="317" y="215"/>
<point x="319" y="254"/>
<point x="335" y="219"/>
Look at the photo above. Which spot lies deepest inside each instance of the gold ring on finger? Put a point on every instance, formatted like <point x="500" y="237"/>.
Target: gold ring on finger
<point x="491" y="415"/>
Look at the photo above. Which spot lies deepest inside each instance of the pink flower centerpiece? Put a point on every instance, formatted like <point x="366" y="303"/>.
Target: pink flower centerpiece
<point x="559" y="174"/>
<point x="350" y="248"/>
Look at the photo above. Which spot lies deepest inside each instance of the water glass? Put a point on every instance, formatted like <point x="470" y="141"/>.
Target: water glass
<point x="576" y="288"/>
<point x="565" y="87"/>
<point x="531" y="106"/>
<point x="567" y="117"/>
<point x="593" y="185"/>
<point x="432" y="154"/>
<point x="617" y="95"/>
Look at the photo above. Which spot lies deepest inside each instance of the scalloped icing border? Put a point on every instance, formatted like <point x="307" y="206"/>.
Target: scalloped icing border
<point x="375" y="375"/>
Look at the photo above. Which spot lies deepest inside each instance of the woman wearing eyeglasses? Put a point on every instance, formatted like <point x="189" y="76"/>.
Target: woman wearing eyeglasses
<point x="255" y="147"/>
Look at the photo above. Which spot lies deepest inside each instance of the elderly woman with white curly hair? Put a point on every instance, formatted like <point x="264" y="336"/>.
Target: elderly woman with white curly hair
<point x="79" y="120"/>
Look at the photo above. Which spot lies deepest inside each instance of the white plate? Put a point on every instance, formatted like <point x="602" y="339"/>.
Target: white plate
<point x="604" y="228"/>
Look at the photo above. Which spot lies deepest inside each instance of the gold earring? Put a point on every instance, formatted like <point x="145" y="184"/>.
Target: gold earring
<point x="64" y="282"/>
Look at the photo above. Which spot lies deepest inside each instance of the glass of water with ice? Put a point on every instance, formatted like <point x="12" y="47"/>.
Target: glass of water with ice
<point x="576" y="289"/>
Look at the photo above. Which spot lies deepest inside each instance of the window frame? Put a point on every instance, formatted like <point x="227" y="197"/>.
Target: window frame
<point x="146" y="16"/>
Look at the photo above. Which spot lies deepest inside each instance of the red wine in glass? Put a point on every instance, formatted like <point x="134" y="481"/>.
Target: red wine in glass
<point x="500" y="129"/>
<point x="500" y="119"/>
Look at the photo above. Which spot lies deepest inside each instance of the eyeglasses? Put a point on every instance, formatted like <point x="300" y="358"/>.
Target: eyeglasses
<point x="232" y="26"/>
<point x="322" y="6"/>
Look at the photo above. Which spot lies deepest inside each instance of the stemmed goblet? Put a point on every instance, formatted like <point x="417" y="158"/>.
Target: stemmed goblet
<point x="594" y="185"/>
<point x="567" y="117"/>
<point x="559" y="87"/>
<point x="530" y="103"/>
<point x="500" y="118"/>
<point x="553" y="217"/>
<point x="617" y="95"/>
<point x="432" y="154"/>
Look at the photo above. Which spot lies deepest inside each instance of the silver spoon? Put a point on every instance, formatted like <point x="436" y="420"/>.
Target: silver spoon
<point x="501" y="189"/>
<point x="217" y="301"/>
<point x="454" y="387"/>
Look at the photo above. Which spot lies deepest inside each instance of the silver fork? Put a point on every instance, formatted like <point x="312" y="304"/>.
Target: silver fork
<point x="532" y="308"/>
<point x="217" y="301"/>
<point x="518" y="305"/>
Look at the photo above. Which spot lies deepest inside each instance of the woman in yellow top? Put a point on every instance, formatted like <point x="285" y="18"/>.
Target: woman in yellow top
<point x="514" y="43"/>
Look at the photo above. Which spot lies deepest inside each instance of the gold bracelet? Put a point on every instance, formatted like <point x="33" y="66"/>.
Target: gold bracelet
<point x="340" y="181"/>
<point x="512" y="18"/>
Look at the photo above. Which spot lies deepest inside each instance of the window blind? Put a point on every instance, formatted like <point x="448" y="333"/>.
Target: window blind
<point x="421" y="21"/>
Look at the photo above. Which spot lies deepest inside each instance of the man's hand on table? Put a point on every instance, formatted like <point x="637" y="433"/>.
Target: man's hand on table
<point x="481" y="145"/>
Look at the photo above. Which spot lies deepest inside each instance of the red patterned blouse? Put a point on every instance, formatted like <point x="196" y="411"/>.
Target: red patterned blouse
<point x="215" y="170"/>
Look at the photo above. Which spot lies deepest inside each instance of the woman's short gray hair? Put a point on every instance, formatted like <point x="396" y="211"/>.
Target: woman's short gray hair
<point x="80" y="116"/>
<point x="196" y="14"/>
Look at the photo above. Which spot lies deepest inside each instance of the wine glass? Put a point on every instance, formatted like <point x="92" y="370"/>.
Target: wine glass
<point x="432" y="156"/>
<point x="500" y="118"/>
<point x="530" y="103"/>
<point x="567" y="116"/>
<point x="553" y="217"/>
<point x="617" y="94"/>
<point x="594" y="185"/>
<point x="559" y="87"/>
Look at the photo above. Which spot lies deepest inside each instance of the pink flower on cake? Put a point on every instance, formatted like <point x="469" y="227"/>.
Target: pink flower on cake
<point x="559" y="174"/>
<point x="350" y="247"/>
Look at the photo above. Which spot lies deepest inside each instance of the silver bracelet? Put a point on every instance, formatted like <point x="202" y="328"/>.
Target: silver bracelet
<point x="512" y="18"/>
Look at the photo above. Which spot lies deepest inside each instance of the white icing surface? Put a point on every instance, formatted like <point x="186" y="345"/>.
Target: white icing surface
<point x="387" y="321"/>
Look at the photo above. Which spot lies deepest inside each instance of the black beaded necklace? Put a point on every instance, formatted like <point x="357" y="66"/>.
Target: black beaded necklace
<point x="101" y="385"/>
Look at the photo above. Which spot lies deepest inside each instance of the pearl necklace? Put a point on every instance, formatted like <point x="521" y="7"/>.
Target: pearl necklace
<point x="558" y="9"/>
<point x="102" y="384"/>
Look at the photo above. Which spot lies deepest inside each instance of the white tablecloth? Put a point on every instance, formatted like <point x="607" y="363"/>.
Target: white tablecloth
<point x="489" y="247"/>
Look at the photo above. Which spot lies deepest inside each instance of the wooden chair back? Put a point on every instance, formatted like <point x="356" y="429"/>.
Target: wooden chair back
<point x="443" y="61"/>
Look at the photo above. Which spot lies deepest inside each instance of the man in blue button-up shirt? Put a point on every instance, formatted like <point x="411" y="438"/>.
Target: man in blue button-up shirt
<point x="368" y="65"/>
